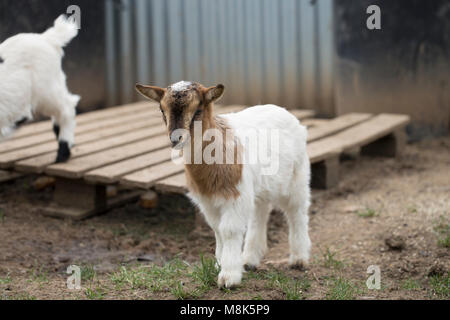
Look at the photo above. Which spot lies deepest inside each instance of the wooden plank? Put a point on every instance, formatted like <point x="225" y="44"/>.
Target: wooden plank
<point x="322" y="149"/>
<point x="31" y="159"/>
<point x="76" y="168"/>
<point x="44" y="137"/>
<point x="6" y="176"/>
<point x="43" y="126"/>
<point x="312" y="122"/>
<point x="147" y="177"/>
<point x="176" y="184"/>
<point x="302" y="114"/>
<point x="356" y="136"/>
<point x="38" y="164"/>
<point x="112" y="173"/>
<point x="336" y="125"/>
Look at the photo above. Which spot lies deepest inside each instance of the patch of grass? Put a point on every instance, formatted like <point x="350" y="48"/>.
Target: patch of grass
<point x="18" y="296"/>
<point x="5" y="280"/>
<point x="330" y="260"/>
<point x="154" y="278"/>
<point x="88" y="272"/>
<point x="95" y="293"/>
<point x="442" y="230"/>
<point x="367" y="213"/>
<point x="180" y="292"/>
<point x="38" y="274"/>
<point x="341" y="289"/>
<point x="128" y="277"/>
<point x="293" y="289"/>
<point x="410" y="284"/>
<point x="206" y="272"/>
<point x="440" y="285"/>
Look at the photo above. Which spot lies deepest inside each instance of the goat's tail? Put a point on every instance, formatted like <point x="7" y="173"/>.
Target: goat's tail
<point x="62" y="31"/>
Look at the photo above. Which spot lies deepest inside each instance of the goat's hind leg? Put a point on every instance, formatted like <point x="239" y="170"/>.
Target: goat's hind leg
<point x="296" y="209"/>
<point x="65" y="136"/>
<point x="256" y="238"/>
<point x="64" y="127"/>
<point x="56" y="128"/>
<point x="299" y="241"/>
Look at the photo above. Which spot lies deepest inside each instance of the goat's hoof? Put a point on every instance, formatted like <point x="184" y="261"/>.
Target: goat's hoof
<point x="298" y="264"/>
<point x="250" y="267"/>
<point x="63" y="152"/>
<point x="229" y="280"/>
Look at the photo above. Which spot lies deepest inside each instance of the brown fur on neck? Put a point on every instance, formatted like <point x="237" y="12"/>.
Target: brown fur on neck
<point x="215" y="179"/>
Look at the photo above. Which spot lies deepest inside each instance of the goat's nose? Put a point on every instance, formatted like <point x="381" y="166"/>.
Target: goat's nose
<point x="175" y="139"/>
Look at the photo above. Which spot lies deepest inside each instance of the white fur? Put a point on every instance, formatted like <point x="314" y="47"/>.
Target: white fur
<point x="247" y="216"/>
<point x="33" y="82"/>
<point x="180" y="86"/>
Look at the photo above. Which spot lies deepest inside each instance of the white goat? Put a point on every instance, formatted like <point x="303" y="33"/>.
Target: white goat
<point x="236" y="199"/>
<point x="32" y="82"/>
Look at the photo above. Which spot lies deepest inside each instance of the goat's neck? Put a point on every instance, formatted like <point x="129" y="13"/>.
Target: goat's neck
<point x="209" y="179"/>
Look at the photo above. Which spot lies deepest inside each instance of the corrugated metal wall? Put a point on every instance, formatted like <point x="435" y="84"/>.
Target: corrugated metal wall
<point x="263" y="51"/>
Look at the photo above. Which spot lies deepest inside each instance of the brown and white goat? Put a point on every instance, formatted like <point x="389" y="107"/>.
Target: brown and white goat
<point x="237" y="196"/>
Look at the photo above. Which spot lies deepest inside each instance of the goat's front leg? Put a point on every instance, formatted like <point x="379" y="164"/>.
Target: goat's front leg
<point x="212" y="217"/>
<point x="231" y="230"/>
<point x="219" y="246"/>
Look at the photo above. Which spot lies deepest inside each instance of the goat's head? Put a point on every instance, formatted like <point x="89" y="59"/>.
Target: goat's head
<point x="182" y="104"/>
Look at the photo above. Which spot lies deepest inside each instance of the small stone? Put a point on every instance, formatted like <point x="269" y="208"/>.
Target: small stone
<point x="149" y="200"/>
<point x="395" y="242"/>
<point x="42" y="183"/>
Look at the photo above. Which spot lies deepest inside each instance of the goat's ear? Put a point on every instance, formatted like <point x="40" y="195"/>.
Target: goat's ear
<point x="151" y="92"/>
<point x="214" y="93"/>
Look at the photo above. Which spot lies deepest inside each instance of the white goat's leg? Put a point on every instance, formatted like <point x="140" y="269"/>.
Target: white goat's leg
<point x="55" y="127"/>
<point x="231" y="229"/>
<point x="219" y="247"/>
<point x="256" y="238"/>
<point x="299" y="241"/>
<point x="296" y="208"/>
<point x="212" y="218"/>
<point x="66" y="121"/>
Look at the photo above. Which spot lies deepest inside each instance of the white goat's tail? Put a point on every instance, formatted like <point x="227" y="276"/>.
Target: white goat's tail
<point x="62" y="32"/>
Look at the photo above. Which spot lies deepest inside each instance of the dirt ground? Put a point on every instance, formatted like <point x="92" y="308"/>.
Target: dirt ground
<point x="391" y="213"/>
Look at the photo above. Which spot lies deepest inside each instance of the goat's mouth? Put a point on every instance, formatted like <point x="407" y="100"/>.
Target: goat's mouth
<point x="178" y="142"/>
<point x="178" y="145"/>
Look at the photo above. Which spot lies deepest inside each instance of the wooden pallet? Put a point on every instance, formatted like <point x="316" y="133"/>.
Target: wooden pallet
<point x="128" y="145"/>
